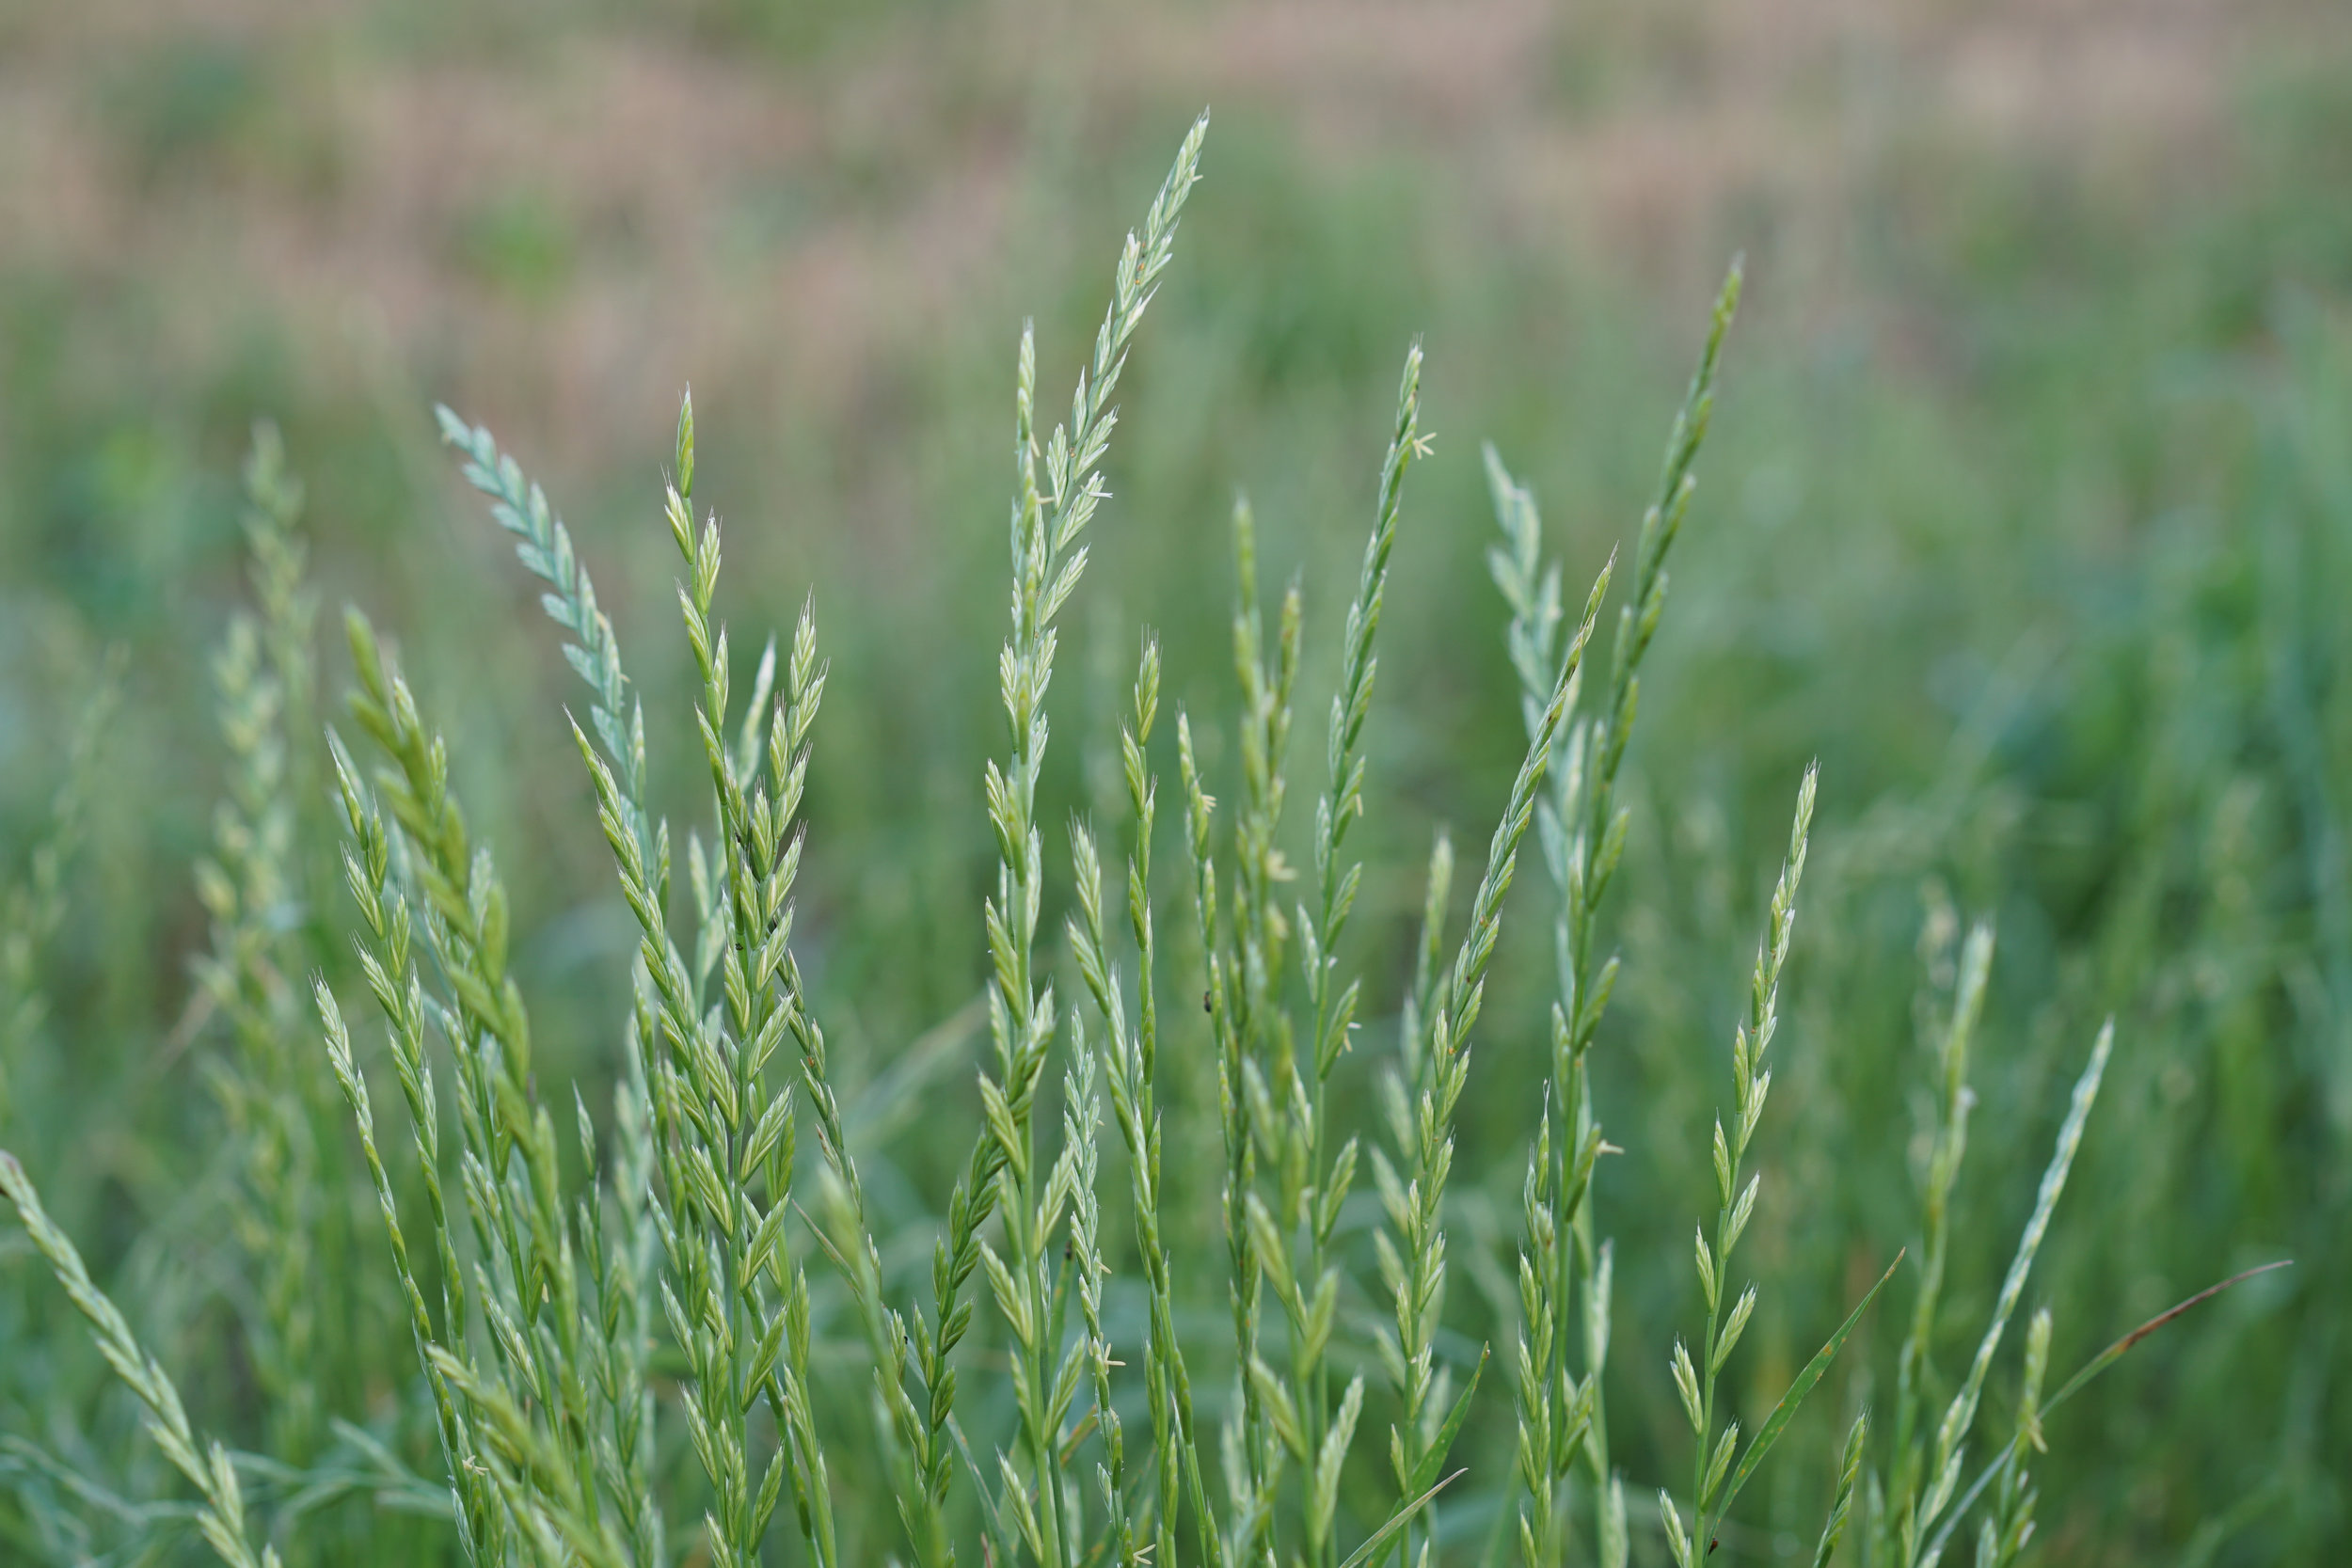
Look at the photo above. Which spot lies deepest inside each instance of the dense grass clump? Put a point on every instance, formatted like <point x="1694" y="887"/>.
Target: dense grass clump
<point x="1171" y="1283"/>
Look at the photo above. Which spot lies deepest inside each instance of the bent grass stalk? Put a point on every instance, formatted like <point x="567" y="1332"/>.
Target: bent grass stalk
<point x="221" y="1519"/>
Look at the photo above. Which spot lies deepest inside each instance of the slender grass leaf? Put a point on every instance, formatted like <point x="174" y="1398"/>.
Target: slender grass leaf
<point x="1777" y="1422"/>
<point x="1426" y="1472"/>
<point x="1397" y="1521"/>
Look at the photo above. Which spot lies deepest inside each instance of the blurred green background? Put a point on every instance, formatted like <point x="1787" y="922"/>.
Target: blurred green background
<point x="2028" y="512"/>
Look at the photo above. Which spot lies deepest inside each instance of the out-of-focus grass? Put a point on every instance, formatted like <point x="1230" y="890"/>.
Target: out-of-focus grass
<point x="2027" y="513"/>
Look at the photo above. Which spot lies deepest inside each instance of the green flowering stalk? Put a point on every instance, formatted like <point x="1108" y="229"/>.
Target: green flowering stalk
<point x="1049" y="512"/>
<point x="221" y="1517"/>
<point x="1412" y="1249"/>
<point x="1582" y="829"/>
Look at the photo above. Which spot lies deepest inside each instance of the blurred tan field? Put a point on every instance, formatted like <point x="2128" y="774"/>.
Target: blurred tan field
<point x="558" y="223"/>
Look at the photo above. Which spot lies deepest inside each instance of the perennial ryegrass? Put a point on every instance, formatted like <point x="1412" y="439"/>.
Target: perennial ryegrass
<point x="553" y="1333"/>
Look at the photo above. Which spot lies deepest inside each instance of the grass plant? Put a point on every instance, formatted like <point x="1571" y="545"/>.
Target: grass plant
<point x="667" y="1329"/>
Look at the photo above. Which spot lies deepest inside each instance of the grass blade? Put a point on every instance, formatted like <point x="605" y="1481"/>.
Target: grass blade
<point x="1451" y="1427"/>
<point x="2108" y="1357"/>
<point x="1397" y="1521"/>
<point x="1777" y="1422"/>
